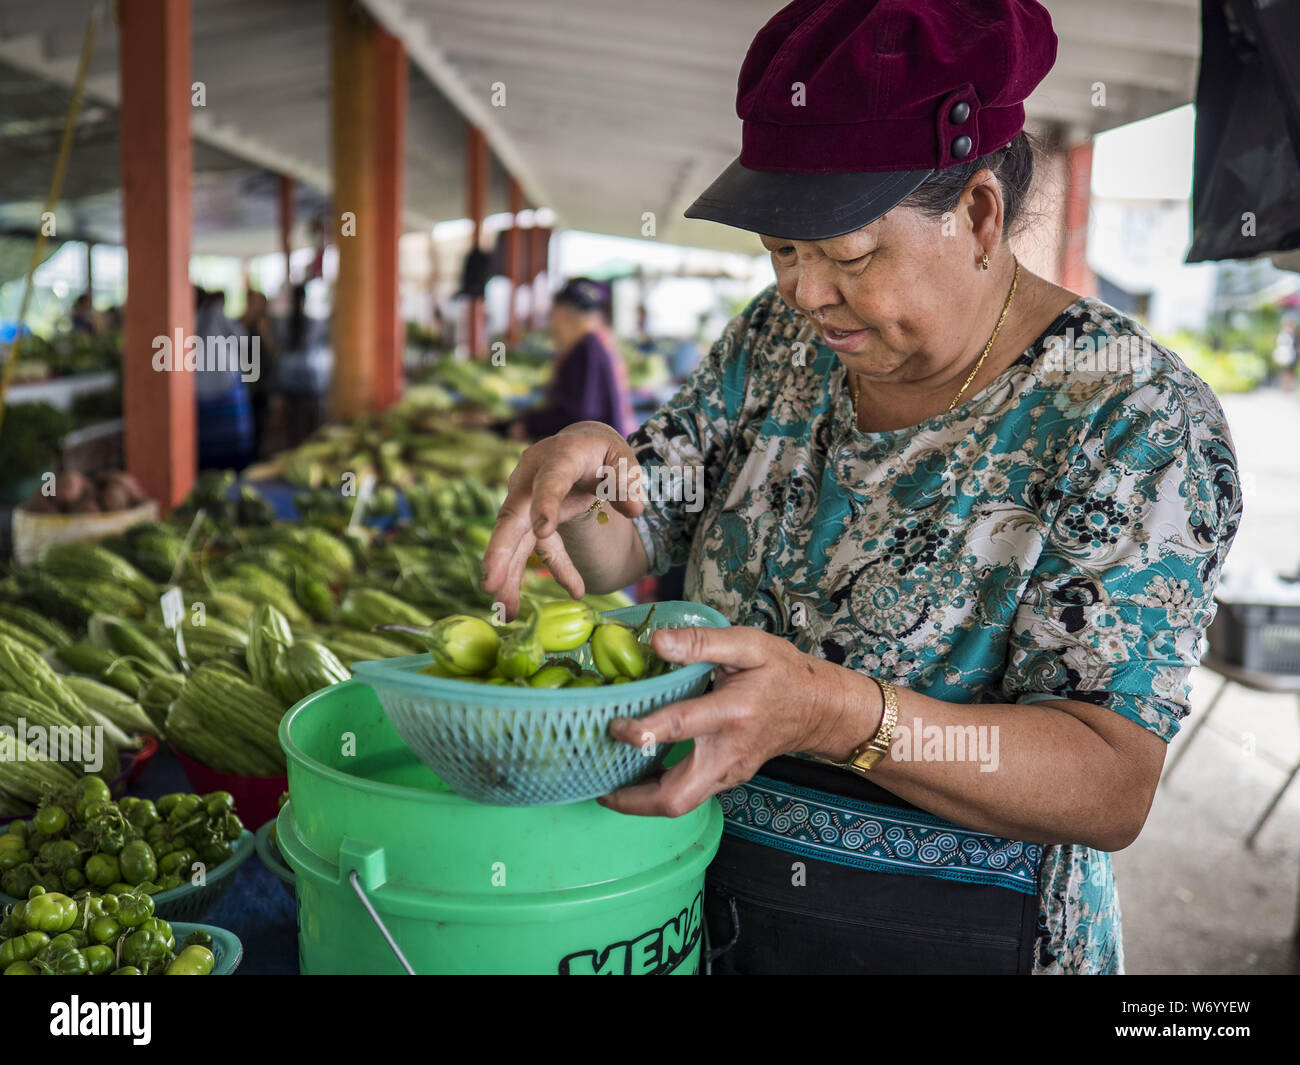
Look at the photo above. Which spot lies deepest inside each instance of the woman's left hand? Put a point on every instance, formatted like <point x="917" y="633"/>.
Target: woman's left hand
<point x="768" y="699"/>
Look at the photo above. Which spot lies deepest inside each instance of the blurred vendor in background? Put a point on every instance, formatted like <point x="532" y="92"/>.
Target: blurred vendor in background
<point x="224" y="409"/>
<point x="589" y="381"/>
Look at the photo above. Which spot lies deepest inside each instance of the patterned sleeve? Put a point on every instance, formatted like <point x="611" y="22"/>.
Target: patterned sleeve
<point x="1118" y="601"/>
<point x="689" y="438"/>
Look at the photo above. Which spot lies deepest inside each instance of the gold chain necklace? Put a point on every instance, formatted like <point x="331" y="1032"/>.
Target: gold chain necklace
<point x="1015" y="280"/>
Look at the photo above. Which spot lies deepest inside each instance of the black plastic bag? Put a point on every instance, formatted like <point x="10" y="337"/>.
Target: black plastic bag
<point x="1246" y="175"/>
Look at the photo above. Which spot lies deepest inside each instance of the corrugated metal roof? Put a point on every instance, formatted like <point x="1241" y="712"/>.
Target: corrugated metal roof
<point x="612" y="108"/>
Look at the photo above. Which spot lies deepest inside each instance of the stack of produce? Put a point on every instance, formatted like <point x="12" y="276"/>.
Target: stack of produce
<point x="50" y="934"/>
<point x="73" y="493"/>
<point x="271" y="612"/>
<point x="69" y="353"/>
<point x="80" y="840"/>
<point x="31" y="439"/>
<point x="85" y="870"/>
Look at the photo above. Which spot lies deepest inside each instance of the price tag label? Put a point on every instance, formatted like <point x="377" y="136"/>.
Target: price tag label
<point x="364" y="492"/>
<point x="173" y="611"/>
<point x="173" y="608"/>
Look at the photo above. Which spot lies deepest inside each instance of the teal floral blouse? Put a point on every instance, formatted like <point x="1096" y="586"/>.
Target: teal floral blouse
<point x="1057" y="536"/>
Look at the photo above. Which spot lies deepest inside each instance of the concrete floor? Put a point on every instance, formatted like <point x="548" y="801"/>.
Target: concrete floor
<point x="1194" y="899"/>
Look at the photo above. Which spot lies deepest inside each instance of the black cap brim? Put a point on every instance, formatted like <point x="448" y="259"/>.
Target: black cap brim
<point x="803" y="206"/>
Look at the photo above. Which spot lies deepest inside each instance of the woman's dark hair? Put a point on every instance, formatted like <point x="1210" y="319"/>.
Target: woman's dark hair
<point x="585" y="295"/>
<point x="1013" y="166"/>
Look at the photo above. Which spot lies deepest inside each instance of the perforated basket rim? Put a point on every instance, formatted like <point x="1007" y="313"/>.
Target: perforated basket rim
<point x="232" y="949"/>
<point x="268" y="853"/>
<point x="403" y="673"/>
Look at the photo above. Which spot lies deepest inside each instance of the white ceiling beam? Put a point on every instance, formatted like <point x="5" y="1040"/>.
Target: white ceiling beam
<point x="698" y="52"/>
<point x="1162" y="27"/>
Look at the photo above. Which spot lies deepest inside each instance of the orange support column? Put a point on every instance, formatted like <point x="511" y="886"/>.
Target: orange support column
<point x="154" y="117"/>
<point x="514" y="264"/>
<point x="390" y="163"/>
<point x="1076" y="274"/>
<point x="476" y="179"/>
<point x="356" y="222"/>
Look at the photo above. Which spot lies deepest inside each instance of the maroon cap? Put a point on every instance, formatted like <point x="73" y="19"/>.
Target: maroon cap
<point x="849" y="105"/>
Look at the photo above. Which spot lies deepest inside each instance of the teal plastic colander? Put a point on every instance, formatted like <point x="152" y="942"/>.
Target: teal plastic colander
<point x="512" y="746"/>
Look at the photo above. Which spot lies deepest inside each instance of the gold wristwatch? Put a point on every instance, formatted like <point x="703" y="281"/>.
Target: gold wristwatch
<point x="869" y="754"/>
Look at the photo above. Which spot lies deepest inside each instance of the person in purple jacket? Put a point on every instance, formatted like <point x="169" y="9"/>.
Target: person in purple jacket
<point x="589" y="381"/>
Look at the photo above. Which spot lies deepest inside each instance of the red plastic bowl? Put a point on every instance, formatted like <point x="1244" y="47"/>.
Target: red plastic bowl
<point x="257" y="799"/>
<point x="142" y="756"/>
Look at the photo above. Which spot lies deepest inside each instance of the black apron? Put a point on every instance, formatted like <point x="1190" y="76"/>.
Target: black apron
<point x="770" y="909"/>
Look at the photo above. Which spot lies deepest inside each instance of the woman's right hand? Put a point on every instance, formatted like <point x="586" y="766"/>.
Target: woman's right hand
<point x="556" y="481"/>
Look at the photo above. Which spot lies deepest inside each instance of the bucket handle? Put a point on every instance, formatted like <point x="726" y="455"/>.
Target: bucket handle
<point x="711" y="952"/>
<point x="355" y="881"/>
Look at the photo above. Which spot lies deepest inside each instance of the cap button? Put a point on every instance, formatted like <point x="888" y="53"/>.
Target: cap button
<point x="959" y="113"/>
<point x="961" y="147"/>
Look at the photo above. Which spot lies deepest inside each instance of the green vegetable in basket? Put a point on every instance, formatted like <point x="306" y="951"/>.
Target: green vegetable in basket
<point x="50" y="912"/>
<point x="552" y="676"/>
<point x="133" y="908"/>
<point x="521" y="653"/>
<point x="144" y="949"/>
<point x="138" y="862"/>
<point x="163" y="928"/>
<point x="617" y="653"/>
<point x="102" y="870"/>
<point x="22" y="948"/>
<point x="50" y="819"/>
<point x="104" y="929"/>
<point x="563" y="625"/>
<point x="64" y="960"/>
<point x="193" y="960"/>
<point x="99" y="959"/>
<point x="463" y="644"/>
<point x="86" y="792"/>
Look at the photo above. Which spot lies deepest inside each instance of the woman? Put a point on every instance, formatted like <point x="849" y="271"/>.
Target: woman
<point x="968" y="552"/>
<point x="304" y="364"/>
<point x="589" y="379"/>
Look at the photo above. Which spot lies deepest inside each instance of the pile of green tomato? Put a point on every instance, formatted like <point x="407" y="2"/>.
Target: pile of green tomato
<point x="83" y="841"/>
<point x="465" y="647"/>
<point x="52" y="934"/>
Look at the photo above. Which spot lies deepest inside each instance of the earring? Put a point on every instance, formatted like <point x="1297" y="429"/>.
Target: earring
<point x="984" y="263"/>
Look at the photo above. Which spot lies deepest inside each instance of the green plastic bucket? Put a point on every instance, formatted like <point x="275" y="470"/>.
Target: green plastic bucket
<point x="381" y="849"/>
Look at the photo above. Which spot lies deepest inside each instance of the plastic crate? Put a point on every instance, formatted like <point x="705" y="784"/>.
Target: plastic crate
<point x="1259" y="636"/>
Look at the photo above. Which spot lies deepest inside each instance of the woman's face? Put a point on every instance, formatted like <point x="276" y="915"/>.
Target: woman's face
<point x="900" y="298"/>
<point x="568" y="326"/>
